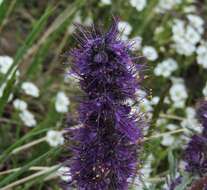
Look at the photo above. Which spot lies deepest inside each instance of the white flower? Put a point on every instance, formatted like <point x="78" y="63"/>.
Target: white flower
<point x="190" y="112"/>
<point x="167" y="140"/>
<point x="28" y="118"/>
<point x="184" y="48"/>
<point x="159" y="29"/>
<point x="166" y="67"/>
<point x="190" y="122"/>
<point x="189" y="9"/>
<point x="54" y="138"/>
<point x="106" y="2"/>
<point x="161" y="121"/>
<point x="192" y="35"/>
<point x="202" y="55"/>
<point x="136" y="43"/>
<point x="30" y="89"/>
<point x="185" y="37"/>
<point x="61" y="102"/>
<point x="5" y="64"/>
<point x="205" y="90"/>
<point x="171" y="126"/>
<point x="166" y="5"/>
<point x="178" y="29"/>
<point x="125" y="28"/>
<point x="197" y="22"/>
<point x="178" y="94"/>
<point x="167" y="100"/>
<point x="20" y="105"/>
<point x="140" y="94"/>
<point x="145" y="105"/>
<point x="64" y="173"/>
<point x="155" y="100"/>
<point x="138" y="4"/>
<point x="150" y="53"/>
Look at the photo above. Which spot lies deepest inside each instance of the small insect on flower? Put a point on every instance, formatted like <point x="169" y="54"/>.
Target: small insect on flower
<point x="106" y="148"/>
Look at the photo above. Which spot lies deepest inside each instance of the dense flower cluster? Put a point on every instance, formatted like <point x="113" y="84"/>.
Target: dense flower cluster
<point x="195" y="155"/>
<point x="105" y="148"/>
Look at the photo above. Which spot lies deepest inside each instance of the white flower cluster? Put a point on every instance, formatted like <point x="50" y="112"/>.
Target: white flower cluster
<point x="138" y="4"/>
<point x="190" y="122"/>
<point x="54" y="138"/>
<point x="26" y="116"/>
<point x="178" y="93"/>
<point x="150" y="53"/>
<point x="125" y="29"/>
<point x="166" y="5"/>
<point x="202" y="54"/>
<point x="166" y="68"/>
<point x="61" y="102"/>
<point x="187" y="36"/>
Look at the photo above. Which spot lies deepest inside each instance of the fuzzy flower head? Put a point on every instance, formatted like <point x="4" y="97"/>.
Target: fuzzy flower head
<point x="105" y="149"/>
<point x="104" y="64"/>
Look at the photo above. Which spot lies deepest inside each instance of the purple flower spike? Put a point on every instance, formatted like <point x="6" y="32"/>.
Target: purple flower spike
<point x="105" y="149"/>
<point x="196" y="151"/>
<point x="195" y="155"/>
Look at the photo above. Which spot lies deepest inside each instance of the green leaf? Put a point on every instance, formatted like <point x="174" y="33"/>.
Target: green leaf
<point x="172" y="164"/>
